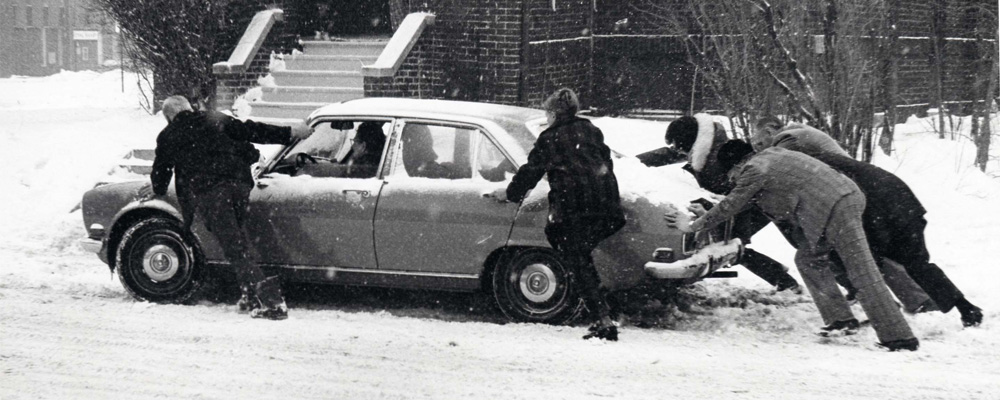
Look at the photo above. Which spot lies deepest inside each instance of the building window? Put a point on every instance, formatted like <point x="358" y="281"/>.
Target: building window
<point x="45" y="16"/>
<point x="13" y="16"/>
<point x="85" y="53"/>
<point x="28" y="17"/>
<point x="63" y="17"/>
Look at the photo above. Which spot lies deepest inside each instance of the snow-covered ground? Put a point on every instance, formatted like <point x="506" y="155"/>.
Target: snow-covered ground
<point x="69" y="331"/>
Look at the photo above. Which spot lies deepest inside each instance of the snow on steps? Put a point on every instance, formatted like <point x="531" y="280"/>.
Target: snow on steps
<point x="308" y="62"/>
<point x="370" y="48"/>
<point x="319" y="78"/>
<point x="313" y="94"/>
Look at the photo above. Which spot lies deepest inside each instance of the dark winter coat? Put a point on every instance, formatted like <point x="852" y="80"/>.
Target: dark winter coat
<point x="580" y="170"/>
<point x="202" y="148"/>
<point x="891" y="206"/>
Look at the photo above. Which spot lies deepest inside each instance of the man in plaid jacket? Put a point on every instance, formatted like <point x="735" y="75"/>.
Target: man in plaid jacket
<point x="823" y="207"/>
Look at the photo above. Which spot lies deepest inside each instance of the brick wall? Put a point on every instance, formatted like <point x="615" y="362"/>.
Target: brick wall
<point x="472" y="52"/>
<point x="282" y="39"/>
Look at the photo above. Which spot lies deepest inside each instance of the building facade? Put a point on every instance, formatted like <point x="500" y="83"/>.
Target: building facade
<point x="41" y="37"/>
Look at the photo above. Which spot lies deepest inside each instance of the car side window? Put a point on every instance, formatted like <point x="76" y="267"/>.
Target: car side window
<point x="338" y="149"/>
<point x="491" y="164"/>
<point x="434" y="151"/>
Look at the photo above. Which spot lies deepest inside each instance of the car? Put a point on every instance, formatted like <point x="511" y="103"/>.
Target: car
<point x="418" y="215"/>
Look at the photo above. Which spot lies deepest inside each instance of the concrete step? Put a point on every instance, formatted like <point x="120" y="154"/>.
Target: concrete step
<point x="343" y="48"/>
<point x="319" y="78"/>
<point x="303" y="62"/>
<point x="270" y="109"/>
<point x="314" y="94"/>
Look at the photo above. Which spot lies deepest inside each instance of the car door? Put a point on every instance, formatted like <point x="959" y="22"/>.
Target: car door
<point x="432" y="214"/>
<point x="309" y="214"/>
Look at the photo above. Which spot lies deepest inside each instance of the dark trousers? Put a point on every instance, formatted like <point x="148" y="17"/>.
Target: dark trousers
<point x="575" y="239"/>
<point x="908" y="248"/>
<point x="223" y="208"/>
<point x="745" y="225"/>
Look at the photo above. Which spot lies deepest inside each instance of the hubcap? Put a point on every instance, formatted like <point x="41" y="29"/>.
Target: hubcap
<point x="160" y="262"/>
<point x="538" y="283"/>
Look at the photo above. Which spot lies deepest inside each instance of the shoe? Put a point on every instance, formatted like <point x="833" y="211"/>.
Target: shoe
<point x="927" y="306"/>
<point x="840" y="328"/>
<point x="248" y="300"/>
<point x="603" y="331"/>
<point x="795" y="288"/>
<point x="910" y="344"/>
<point x="971" y="316"/>
<point x="272" y="304"/>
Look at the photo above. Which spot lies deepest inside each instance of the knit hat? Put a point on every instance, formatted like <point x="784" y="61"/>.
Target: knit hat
<point x="732" y="152"/>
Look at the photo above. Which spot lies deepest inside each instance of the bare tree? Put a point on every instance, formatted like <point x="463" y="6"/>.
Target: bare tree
<point x="984" y="88"/>
<point x="176" y="40"/>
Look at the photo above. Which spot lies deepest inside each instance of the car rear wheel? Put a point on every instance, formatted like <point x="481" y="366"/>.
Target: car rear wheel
<point x="534" y="286"/>
<point x="157" y="262"/>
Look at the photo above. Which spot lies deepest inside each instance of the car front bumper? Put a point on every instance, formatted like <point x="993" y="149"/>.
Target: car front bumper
<point x="700" y="264"/>
<point x="94" y="246"/>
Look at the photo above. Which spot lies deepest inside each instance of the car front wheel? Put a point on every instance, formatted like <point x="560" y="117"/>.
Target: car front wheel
<point x="534" y="285"/>
<point x="157" y="262"/>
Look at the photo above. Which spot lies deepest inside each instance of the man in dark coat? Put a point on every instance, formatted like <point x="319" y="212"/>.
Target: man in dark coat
<point x="700" y="138"/>
<point x="893" y="218"/>
<point x="824" y="207"/>
<point x="210" y="154"/>
<point x="584" y="203"/>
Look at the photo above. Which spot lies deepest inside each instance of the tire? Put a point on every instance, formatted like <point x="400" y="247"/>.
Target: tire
<point x="157" y="262"/>
<point x="534" y="285"/>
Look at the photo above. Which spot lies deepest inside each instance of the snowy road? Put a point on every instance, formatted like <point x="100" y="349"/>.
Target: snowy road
<point x="69" y="331"/>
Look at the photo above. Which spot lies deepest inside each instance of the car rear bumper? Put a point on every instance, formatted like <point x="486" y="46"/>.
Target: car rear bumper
<point x="700" y="264"/>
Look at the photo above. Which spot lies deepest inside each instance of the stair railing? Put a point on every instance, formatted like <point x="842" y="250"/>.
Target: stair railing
<point x="399" y="46"/>
<point x="250" y="42"/>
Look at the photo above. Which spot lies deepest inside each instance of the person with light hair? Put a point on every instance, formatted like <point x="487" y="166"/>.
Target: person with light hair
<point x="209" y="154"/>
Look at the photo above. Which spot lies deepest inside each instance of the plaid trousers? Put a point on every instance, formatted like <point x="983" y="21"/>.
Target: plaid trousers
<point x="845" y="235"/>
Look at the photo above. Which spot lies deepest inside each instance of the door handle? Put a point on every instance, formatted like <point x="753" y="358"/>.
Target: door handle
<point x="363" y="193"/>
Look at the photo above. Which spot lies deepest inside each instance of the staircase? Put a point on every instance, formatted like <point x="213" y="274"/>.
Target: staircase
<point x="325" y="72"/>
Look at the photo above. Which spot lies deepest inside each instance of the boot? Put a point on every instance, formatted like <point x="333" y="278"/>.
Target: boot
<point x="272" y="304"/>
<point x="248" y="299"/>
<point x="971" y="315"/>
<point x="603" y="329"/>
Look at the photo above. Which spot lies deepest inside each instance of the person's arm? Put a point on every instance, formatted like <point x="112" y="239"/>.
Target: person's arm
<point x="257" y="132"/>
<point x="163" y="166"/>
<point x="530" y="173"/>
<point x="748" y="184"/>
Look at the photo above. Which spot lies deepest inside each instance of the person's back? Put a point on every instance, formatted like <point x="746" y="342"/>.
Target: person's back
<point x="201" y="149"/>
<point x="808" y="140"/>
<point x="796" y="188"/>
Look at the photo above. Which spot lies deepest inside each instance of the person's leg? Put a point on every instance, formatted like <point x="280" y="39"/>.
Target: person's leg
<point x="745" y="225"/>
<point x="218" y="208"/>
<point x="909" y="249"/>
<point x="567" y="239"/>
<point x="903" y="286"/>
<point x="846" y="235"/>
<point x="814" y="267"/>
